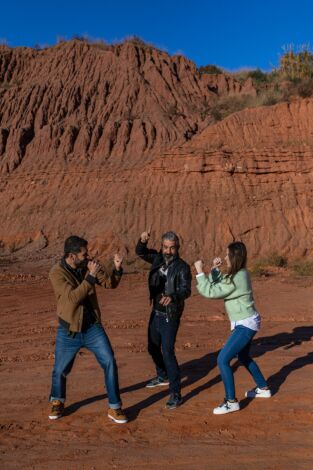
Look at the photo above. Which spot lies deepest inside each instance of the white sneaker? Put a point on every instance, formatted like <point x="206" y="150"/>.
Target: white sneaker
<point x="226" y="407"/>
<point x="259" y="393"/>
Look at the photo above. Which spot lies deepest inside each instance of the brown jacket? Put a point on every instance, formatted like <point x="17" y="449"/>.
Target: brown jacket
<point x="70" y="294"/>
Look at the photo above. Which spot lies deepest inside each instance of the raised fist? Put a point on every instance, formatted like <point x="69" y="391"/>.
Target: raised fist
<point x="144" y="237"/>
<point x="93" y="267"/>
<point x="117" y="260"/>
<point x="199" y="266"/>
<point x="216" y="263"/>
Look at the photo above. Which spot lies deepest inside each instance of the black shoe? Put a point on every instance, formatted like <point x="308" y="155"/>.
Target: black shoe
<point x="157" y="382"/>
<point x="174" y="401"/>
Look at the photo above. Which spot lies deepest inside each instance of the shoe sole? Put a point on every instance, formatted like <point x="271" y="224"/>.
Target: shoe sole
<point x="55" y="417"/>
<point x="118" y="421"/>
<point x="257" y="396"/>
<point x="158" y="385"/>
<point x="226" y="412"/>
<point x="173" y="407"/>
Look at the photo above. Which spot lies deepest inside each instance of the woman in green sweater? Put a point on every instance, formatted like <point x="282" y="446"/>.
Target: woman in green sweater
<point x="235" y="288"/>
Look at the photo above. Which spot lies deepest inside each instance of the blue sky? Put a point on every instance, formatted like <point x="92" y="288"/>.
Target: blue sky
<point x="232" y="34"/>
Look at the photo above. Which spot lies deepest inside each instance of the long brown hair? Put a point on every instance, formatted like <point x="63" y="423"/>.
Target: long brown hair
<point x="237" y="253"/>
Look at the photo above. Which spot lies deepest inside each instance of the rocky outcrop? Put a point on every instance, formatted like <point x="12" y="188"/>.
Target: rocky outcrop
<point x="224" y="84"/>
<point x="104" y="141"/>
<point x="114" y="105"/>
<point x="248" y="177"/>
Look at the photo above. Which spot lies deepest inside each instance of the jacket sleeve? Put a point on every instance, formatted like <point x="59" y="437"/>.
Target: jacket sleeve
<point x="63" y="288"/>
<point x="109" y="278"/>
<point x="218" y="289"/>
<point x="215" y="275"/>
<point x="184" y="285"/>
<point x="145" y="253"/>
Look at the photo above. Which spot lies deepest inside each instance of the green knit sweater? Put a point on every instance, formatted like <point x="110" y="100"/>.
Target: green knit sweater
<point x="236" y="292"/>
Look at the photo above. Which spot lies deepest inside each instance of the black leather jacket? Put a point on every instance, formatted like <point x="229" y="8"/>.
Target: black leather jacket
<point x="178" y="284"/>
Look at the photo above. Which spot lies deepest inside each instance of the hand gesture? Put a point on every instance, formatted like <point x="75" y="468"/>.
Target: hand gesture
<point x="144" y="237"/>
<point x="165" y="300"/>
<point x="216" y="263"/>
<point x="117" y="260"/>
<point x="199" y="266"/>
<point x="93" y="267"/>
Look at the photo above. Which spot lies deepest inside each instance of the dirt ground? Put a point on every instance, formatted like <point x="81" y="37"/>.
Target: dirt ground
<point x="266" y="434"/>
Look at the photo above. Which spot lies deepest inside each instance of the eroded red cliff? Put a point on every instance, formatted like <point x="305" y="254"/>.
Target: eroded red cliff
<point x="105" y="140"/>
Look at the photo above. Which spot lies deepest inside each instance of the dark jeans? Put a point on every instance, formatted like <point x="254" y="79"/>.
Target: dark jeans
<point x="161" y="346"/>
<point x="238" y="345"/>
<point x="95" y="340"/>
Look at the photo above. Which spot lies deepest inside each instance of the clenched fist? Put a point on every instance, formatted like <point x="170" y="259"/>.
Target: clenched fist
<point x="199" y="266"/>
<point x="117" y="260"/>
<point x="93" y="267"/>
<point x="144" y="237"/>
<point x="216" y="263"/>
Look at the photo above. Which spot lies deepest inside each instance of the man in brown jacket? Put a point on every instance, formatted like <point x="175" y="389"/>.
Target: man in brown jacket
<point x="73" y="280"/>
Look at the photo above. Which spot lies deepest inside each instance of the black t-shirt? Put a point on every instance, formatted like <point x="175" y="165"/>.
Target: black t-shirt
<point x="160" y="288"/>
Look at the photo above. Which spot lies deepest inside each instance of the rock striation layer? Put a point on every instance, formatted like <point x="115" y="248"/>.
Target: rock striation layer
<point x="105" y="140"/>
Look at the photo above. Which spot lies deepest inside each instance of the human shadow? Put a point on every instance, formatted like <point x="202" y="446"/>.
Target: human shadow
<point x="73" y="407"/>
<point x="261" y="346"/>
<point x="276" y="380"/>
<point x="196" y="369"/>
<point x="191" y="372"/>
<point x="299" y="335"/>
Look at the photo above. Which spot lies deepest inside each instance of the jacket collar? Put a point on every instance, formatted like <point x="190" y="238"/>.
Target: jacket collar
<point x="76" y="273"/>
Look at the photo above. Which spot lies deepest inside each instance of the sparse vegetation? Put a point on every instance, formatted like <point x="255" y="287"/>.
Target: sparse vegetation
<point x="227" y="105"/>
<point x="6" y="85"/>
<point x="277" y="260"/>
<point x="82" y="38"/>
<point x="210" y="69"/>
<point x="264" y="266"/>
<point x="12" y="247"/>
<point x="259" y="269"/>
<point x="258" y="76"/>
<point x="296" y="64"/>
<point x="303" y="268"/>
<point x="305" y="88"/>
<point x="11" y="84"/>
<point x="267" y="266"/>
<point x="292" y="78"/>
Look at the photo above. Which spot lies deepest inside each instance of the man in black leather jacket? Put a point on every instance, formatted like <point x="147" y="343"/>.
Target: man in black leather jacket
<point x="169" y="286"/>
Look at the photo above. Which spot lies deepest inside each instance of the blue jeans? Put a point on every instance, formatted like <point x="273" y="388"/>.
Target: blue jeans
<point x="95" y="340"/>
<point x="238" y="345"/>
<point x="162" y="334"/>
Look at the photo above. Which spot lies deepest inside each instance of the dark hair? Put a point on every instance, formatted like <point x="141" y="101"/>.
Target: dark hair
<point x="171" y="236"/>
<point x="73" y="244"/>
<point x="237" y="253"/>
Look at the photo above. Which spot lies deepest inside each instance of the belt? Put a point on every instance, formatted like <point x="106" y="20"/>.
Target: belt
<point x="160" y="314"/>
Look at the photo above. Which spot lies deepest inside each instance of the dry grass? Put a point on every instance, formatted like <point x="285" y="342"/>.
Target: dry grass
<point x="263" y="266"/>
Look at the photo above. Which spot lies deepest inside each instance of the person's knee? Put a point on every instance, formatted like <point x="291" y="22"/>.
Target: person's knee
<point x="61" y="370"/>
<point x="107" y="360"/>
<point x="244" y="359"/>
<point x="168" y="354"/>
<point x="222" y="360"/>
<point x="153" y="349"/>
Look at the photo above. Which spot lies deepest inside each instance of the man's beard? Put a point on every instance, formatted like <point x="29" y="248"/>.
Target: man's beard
<point x="81" y="263"/>
<point x="168" y="258"/>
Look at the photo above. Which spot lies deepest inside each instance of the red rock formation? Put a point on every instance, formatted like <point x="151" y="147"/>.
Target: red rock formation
<point x="116" y="105"/>
<point x="223" y="84"/>
<point x="103" y="141"/>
